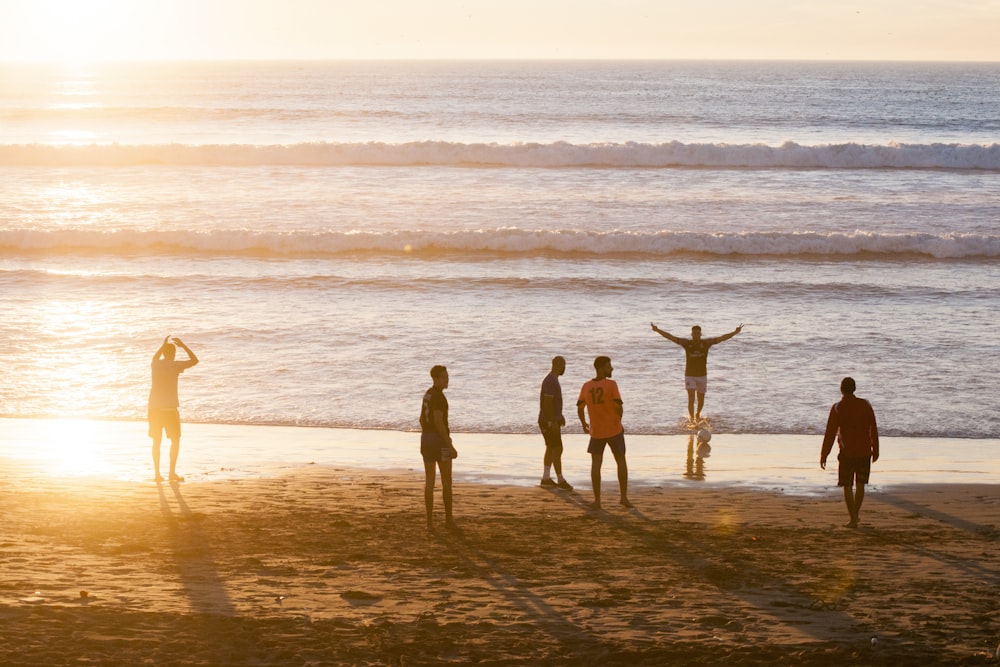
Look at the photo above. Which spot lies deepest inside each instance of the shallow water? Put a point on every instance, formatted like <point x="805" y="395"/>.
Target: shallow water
<point x="219" y="452"/>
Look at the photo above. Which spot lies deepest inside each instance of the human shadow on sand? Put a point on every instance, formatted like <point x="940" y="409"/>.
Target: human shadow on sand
<point x="746" y="589"/>
<point x="199" y="576"/>
<point x="583" y="647"/>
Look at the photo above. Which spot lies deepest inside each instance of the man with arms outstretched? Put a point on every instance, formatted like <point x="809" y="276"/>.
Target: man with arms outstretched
<point x="852" y="424"/>
<point x="163" y="402"/>
<point x="696" y="365"/>
<point x="603" y="403"/>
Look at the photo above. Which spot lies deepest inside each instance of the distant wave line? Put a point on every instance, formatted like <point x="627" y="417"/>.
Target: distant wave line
<point x="636" y="155"/>
<point x="506" y="240"/>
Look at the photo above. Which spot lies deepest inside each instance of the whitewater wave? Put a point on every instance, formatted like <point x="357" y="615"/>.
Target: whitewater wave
<point x="507" y="240"/>
<point x="674" y="154"/>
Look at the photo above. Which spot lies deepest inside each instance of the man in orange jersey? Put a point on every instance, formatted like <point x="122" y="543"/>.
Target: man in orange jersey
<point x="604" y="405"/>
<point x="852" y="424"/>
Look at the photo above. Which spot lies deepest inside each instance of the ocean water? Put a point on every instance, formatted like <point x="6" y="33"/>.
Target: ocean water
<point x="321" y="234"/>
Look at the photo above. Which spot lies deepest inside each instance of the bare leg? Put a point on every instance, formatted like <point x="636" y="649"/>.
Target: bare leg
<point x="595" y="477"/>
<point x="701" y="404"/>
<point x="851" y="508"/>
<point x="429" y="476"/>
<point x="175" y="448"/>
<point x="557" y="463"/>
<point x="622" y="479"/>
<point x="445" y="466"/>
<point x="691" y="404"/>
<point x="547" y="460"/>
<point x="157" y="439"/>
<point x="859" y="497"/>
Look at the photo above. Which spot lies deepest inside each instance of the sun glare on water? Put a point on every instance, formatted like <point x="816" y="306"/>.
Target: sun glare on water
<point x="73" y="448"/>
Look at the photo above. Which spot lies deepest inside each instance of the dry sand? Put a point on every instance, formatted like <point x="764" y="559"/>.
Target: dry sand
<point x="335" y="567"/>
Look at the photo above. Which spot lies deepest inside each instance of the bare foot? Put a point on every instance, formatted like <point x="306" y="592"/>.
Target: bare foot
<point x="596" y="504"/>
<point x="159" y="478"/>
<point x="852" y="524"/>
<point x="174" y="478"/>
<point x="625" y="503"/>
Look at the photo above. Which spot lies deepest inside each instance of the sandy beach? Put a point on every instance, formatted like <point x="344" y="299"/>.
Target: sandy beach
<point x="334" y="566"/>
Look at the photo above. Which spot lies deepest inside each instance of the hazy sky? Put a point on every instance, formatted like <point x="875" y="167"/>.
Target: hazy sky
<point x="317" y="29"/>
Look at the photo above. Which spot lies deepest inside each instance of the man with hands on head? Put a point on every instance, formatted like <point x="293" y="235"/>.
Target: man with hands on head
<point x="163" y="402"/>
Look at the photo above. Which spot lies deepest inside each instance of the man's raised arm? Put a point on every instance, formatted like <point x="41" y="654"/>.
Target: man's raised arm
<point x="191" y="355"/>
<point x="730" y="334"/>
<point x="159" y="351"/>
<point x="669" y="336"/>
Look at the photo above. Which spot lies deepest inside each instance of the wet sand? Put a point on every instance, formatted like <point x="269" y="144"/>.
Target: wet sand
<point x="327" y="566"/>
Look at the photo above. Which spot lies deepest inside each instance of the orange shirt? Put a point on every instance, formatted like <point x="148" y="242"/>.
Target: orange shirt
<point x="602" y="400"/>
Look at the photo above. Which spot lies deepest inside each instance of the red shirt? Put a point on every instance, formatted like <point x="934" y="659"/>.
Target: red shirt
<point x="602" y="400"/>
<point x="852" y="423"/>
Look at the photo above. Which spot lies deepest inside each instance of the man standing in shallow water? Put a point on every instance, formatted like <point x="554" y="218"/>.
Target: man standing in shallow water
<point x="163" y="402"/>
<point x="435" y="445"/>
<point x="696" y="364"/>
<point x="852" y="423"/>
<point x="604" y="404"/>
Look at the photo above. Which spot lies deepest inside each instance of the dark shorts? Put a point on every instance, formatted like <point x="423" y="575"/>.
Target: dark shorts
<point x="553" y="438"/>
<point x="616" y="442"/>
<point x="853" y="469"/>
<point x="434" y="448"/>
<point x="164" y="420"/>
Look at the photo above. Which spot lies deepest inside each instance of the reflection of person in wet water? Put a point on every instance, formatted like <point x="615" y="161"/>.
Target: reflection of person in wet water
<point x="163" y="402"/>
<point x="436" y="446"/>
<point x="696" y="458"/>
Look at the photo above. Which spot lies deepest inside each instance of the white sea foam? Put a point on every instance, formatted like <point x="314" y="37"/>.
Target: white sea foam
<point x="788" y="155"/>
<point x="510" y="240"/>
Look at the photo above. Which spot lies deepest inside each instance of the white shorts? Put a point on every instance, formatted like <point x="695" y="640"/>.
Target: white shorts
<point x="698" y="384"/>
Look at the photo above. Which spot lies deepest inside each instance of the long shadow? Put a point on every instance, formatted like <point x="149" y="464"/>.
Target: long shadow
<point x="586" y="646"/>
<point x="694" y="555"/>
<point x="986" y="532"/>
<point x="199" y="576"/>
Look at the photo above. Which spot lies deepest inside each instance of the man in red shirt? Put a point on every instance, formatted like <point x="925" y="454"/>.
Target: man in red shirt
<point x="852" y="423"/>
<point x="604" y="404"/>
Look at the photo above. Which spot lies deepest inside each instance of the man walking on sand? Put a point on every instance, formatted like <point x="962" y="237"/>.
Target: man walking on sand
<point x="163" y="402"/>
<point x="436" y="446"/>
<point x="604" y="405"/>
<point x="550" y="422"/>
<point x="696" y="365"/>
<point x="852" y="423"/>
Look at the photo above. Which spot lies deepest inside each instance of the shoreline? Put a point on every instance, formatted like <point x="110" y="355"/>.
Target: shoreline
<point x="335" y="567"/>
<point x="106" y="449"/>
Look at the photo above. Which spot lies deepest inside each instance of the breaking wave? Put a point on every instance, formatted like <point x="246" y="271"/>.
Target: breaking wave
<point x="674" y="154"/>
<point x="507" y="240"/>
